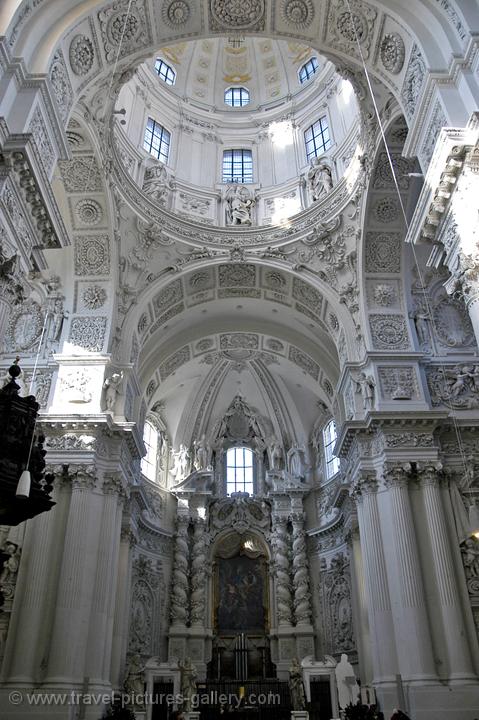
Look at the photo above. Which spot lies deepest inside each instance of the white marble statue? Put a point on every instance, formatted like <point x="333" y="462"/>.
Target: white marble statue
<point x="348" y="688"/>
<point x="239" y="205"/>
<point x="295" y="461"/>
<point x="320" y="179"/>
<point x="365" y="385"/>
<point x="112" y="388"/>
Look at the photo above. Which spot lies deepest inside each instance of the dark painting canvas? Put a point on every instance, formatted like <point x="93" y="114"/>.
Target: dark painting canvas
<point x="240" y="595"/>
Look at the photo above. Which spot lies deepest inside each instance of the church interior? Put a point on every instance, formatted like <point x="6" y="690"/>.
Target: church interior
<point x="239" y="327"/>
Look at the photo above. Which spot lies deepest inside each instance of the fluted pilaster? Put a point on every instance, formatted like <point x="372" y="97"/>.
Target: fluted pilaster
<point x="76" y="582"/>
<point x="455" y="632"/>
<point x="413" y="635"/>
<point x="30" y="628"/>
<point x="376" y="582"/>
<point x="100" y="630"/>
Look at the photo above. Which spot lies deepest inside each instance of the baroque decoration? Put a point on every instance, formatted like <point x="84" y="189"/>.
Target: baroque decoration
<point x="244" y="357"/>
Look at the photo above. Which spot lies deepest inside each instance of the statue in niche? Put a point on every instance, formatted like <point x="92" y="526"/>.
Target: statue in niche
<point x="320" y="179"/>
<point x="56" y="322"/>
<point x="276" y="455"/>
<point x="181" y="463"/>
<point x="470" y="558"/>
<point x="239" y="205"/>
<point x="202" y="453"/>
<point x="135" y="680"/>
<point x="187" y="683"/>
<point x="422" y="321"/>
<point x="295" y="461"/>
<point x="112" y="388"/>
<point x="365" y="385"/>
<point x="10" y="566"/>
<point x="296" y="687"/>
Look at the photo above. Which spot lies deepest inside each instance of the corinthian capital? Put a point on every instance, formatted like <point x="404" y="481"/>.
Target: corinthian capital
<point x="396" y="474"/>
<point x="429" y="473"/>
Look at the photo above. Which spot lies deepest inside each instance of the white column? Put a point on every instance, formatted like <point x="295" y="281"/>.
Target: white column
<point x="413" y="637"/>
<point x="360" y="609"/>
<point x="381" y="624"/>
<point x="76" y="584"/>
<point x="122" y="608"/>
<point x="99" y="637"/>
<point x="179" y="603"/>
<point x="198" y="574"/>
<point x="455" y="632"/>
<point x="284" y="600"/>
<point x="29" y="624"/>
<point x="302" y="594"/>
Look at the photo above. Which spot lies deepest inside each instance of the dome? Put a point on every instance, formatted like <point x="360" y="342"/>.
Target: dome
<point x="232" y="131"/>
<point x="268" y="69"/>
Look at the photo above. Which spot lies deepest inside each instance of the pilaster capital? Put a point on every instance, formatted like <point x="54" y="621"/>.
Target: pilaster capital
<point x="364" y="484"/>
<point x="83" y="477"/>
<point x="112" y="484"/>
<point x="396" y="475"/>
<point x="297" y="518"/>
<point x="128" y="536"/>
<point x="429" y="473"/>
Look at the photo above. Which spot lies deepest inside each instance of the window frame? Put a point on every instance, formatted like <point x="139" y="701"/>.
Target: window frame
<point x="233" y="89"/>
<point x="170" y="73"/>
<point x="240" y="485"/>
<point x="309" y="73"/>
<point x="234" y="178"/>
<point x="148" y="145"/>
<point x="150" y="450"/>
<point x="318" y="149"/>
<point x="331" y="461"/>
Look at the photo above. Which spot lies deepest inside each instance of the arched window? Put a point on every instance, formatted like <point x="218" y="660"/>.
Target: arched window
<point x="237" y="166"/>
<point x="316" y="138"/>
<point x="157" y="140"/>
<point x="329" y="440"/>
<point x="149" y="462"/>
<point x="237" y="96"/>
<point x="165" y="71"/>
<point x="307" y="70"/>
<point x="239" y="470"/>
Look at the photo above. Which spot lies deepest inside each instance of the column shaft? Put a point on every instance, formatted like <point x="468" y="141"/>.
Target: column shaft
<point x="76" y="585"/>
<point x="413" y="635"/>
<point x="459" y="656"/>
<point x="379" y="606"/>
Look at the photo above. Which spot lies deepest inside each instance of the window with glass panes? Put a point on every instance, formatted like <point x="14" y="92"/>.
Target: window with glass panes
<point x="237" y="166"/>
<point x="157" y="140"/>
<point x="148" y="462"/>
<point x="308" y="70"/>
<point x="329" y="439"/>
<point x="239" y="470"/>
<point x="165" y="72"/>
<point x="237" y="96"/>
<point x="316" y="138"/>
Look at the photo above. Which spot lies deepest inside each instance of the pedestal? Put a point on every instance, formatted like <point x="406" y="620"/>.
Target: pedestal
<point x="195" y="715"/>
<point x="299" y="715"/>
